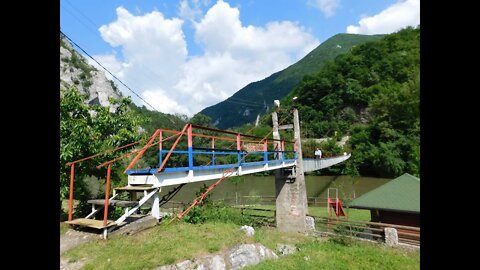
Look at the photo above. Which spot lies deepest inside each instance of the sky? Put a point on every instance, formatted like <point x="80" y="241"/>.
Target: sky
<point x="182" y="56"/>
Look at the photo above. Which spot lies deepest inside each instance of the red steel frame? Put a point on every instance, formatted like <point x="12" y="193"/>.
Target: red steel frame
<point x="188" y="128"/>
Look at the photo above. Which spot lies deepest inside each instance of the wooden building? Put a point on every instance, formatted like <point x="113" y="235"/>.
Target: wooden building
<point x="396" y="202"/>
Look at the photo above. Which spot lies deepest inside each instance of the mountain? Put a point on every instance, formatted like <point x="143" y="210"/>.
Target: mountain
<point x="371" y="93"/>
<point x="257" y="98"/>
<point x="76" y="72"/>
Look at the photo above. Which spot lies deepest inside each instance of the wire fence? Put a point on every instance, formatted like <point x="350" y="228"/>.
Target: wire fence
<point x="340" y="226"/>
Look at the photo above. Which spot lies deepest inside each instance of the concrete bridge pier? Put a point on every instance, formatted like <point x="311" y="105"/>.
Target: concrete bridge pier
<point x="290" y="206"/>
<point x="290" y="189"/>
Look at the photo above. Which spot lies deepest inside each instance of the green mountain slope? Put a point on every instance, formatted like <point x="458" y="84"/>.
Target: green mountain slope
<point x="257" y="97"/>
<point x="371" y="93"/>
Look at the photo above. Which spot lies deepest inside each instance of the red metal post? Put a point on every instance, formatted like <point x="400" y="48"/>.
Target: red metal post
<point x="239" y="145"/>
<point x="160" y="138"/>
<point x="189" y="135"/>
<point x="239" y="149"/>
<point x="190" y="147"/>
<point x="107" y="191"/>
<point x="265" y="150"/>
<point x="173" y="147"/>
<point x="160" y="146"/>
<point x="213" y="150"/>
<point x="70" y="202"/>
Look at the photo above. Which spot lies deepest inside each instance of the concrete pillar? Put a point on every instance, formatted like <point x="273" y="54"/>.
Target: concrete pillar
<point x="391" y="236"/>
<point x="290" y="195"/>
<point x="300" y="178"/>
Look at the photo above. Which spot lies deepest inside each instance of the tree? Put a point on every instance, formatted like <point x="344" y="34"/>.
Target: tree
<point x="201" y="120"/>
<point x="371" y="93"/>
<point x="87" y="130"/>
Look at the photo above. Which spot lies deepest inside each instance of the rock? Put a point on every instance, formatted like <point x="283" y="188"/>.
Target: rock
<point x="166" y="267"/>
<point x="211" y="262"/>
<point x="249" y="254"/>
<point x="185" y="265"/>
<point x="310" y="223"/>
<point x="284" y="249"/>
<point x="75" y="71"/>
<point x="217" y="263"/>
<point x="234" y="258"/>
<point x="391" y="236"/>
<point x="250" y="231"/>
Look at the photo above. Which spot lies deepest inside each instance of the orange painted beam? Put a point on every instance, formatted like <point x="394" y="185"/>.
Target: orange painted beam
<point x="134" y="161"/>
<point x="70" y="202"/>
<point x="107" y="191"/>
<point x="171" y="149"/>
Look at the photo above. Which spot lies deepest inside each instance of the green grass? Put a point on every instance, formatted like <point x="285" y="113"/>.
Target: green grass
<point x="161" y="245"/>
<point x="171" y="243"/>
<point x="270" y="237"/>
<point x="64" y="228"/>
<point x="330" y="255"/>
<point x="353" y="214"/>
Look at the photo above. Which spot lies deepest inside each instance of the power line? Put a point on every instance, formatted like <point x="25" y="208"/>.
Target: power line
<point x="91" y="57"/>
<point x="81" y="13"/>
<point x="148" y="72"/>
<point x="237" y="99"/>
<point x="243" y="103"/>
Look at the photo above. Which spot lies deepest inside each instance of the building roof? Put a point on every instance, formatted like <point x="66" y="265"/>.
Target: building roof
<point x="400" y="194"/>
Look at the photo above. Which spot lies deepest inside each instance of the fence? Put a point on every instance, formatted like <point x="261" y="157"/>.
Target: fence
<point x="270" y="200"/>
<point x="354" y="228"/>
<point x="369" y="230"/>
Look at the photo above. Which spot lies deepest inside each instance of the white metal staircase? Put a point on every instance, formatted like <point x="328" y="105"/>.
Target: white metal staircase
<point x="150" y="194"/>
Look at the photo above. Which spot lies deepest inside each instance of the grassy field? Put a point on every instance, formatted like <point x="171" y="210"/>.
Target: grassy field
<point x="314" y="254"/>
<point x="160" y="245"/>
<point x="353" y="214"/>
<point x="168" y="244"/>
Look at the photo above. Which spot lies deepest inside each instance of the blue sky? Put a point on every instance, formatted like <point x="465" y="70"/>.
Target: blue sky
<point x="185" y="55"/>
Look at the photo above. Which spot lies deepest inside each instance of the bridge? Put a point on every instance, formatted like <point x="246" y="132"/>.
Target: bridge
<point x="194" y="154"/>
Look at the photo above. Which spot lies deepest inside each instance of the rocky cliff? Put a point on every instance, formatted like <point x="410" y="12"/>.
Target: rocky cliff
<point x="76" y="72"/>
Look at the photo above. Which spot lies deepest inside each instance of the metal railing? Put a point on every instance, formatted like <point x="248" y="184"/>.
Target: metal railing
<point x="225" y="149"/>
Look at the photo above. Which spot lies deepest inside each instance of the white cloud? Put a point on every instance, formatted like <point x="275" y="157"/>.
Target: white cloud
<point x="326" y="6"/>
<point x="158" y="98"/>
<point x="109" y="62"/>
<point x="399" y="15"/>
<point x="156" y="62"/>
<point x="189" y="11"/>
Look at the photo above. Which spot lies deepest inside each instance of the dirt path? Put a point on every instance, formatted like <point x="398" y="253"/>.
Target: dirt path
<point x="70" y="240"/>
<point x="74" y="238"/>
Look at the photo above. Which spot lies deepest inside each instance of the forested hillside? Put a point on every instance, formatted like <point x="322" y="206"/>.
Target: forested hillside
<point x="372" y="94"/>
<point x="257" y="97"/>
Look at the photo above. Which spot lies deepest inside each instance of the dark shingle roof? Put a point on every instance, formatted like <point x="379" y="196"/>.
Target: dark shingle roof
<point x="400" y="194"/>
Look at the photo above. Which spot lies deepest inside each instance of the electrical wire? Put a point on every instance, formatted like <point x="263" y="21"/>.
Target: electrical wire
<point x="113" y="75"/>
